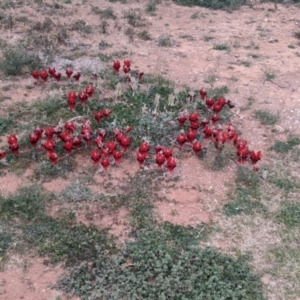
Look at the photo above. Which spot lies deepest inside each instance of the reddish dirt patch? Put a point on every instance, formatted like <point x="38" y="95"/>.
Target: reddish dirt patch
<point x="32" y="280"/>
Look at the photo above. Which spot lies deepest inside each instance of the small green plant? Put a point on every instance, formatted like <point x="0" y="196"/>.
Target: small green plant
<point x="144" y="35"/>
<point x="246" y="63"/>
<point x="221" y="47"/>
<point x="151" y="7"/>
<point x="249" y="103"/>
<point x="45" y="26"/>
<point x="103" y="45"/>
<point x="130" y="33"/>
<point x="82" y="27"/>
<point x="284" y="147"/>
<point x="103" y="27"/>
<point x="17" y="60"/>
<point x="291" y="46"/>
<point x="134" y="17"/>
<point x="269" y="75"/>
<point x="28" y="203"/>
<point x="5" y="124"/>
<point x="208" y="38"/>
<point x="164" y="263"/>
<point x="297" y="35"/>
<point x="165" y="40"/>
<point x="212" y="4"/>
<point x="290" y="214"/>
<point x="265" y="117"/>
<point x="195" y="15"/>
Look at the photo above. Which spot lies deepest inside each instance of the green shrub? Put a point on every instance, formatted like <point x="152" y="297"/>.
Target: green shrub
<point x="290" y="214"/>
<point x="165" y="263"/>
<point x="17" y="61"/>
<point x="27" y="203"/>
<point x="214" y="4"/>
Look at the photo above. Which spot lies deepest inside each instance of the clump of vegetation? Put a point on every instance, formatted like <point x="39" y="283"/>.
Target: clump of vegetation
<point x="290" y="214"/>
<point x="246" y="195"/>
<point x="218" y="4"/>
<point x="164" y="262"/>
<point x="221" y="47"/>
<point x="82" y="27"/>
<point x="64" y="241"/>
<point x="134" y="17"/>
<point x="284" y="147"/>
<point x="265" y="117"/>
<point x="27" y="203"/>
<point x="165" y="40"/>
<point x="16" y="61"/>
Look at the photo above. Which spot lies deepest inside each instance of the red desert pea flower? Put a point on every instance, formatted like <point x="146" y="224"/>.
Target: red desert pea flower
<point x="69" y="72"/>
<point x="72" y="99"/>
<point x="116" y="66"/>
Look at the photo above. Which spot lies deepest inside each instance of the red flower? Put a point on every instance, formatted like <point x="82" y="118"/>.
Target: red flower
<point x="53" y="156"/>
<point x="117" y="155"/>
<point x="105" y="163"/>
<point x="209" y="102"/>
<point x="141" y="156"/>
<point x="140" y="75"/>
<point x="98" y="115"/>
<point x="181" y="119"/>
<point x="2" y="153"/>
<point x="160" y="159"/>
<point x="89" y="90"/>
<point x="44" y="75"/>
<point x="95" y="155"/>
<point x="69" y="72"/>
<point x="72" y="99"/>
<point x="35" y="74"/>
<point x="70" y="126"/>
<point x="197" y="146"/>
<point x="116" y="66"/>
<point x="125" y="142"/>
<point x="181" y="139"/>
<point x="167" y="152"/>
<point x="215" y="118"/>
<point x="77" y="76"/>
<point x="171" y="163"/>
<point x="57" y="76"/>
<point x="255" y="157"/>
<point x="202" y="93"/>
<point x="144" y="147"/>
<point x="83" y="97"/>
<point x="52" y="71"/>
<point x="193" y="117"/>
<point x="33" y="138"/>
<point x="191" y="135"/>
<point x="127" y="63"/>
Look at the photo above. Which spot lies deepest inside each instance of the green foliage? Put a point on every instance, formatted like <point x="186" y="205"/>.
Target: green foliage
<point x="165" y="263"/>
<point x="52" y="109"/>
<point x="290" y="214"/>
<point x="6" y="239"/>
<point x="265" y="117"/>
<point x="134" y="17"/>
<point x="103" y="45"/>
<point x="5" y="124"/>
<point x="214" y="4"/>
<point x="76" y="191"/>
<point x="17" y="61"/>
<point x="140" y="209"/>
<point x="284" y="147"/>
<point x="221" y="47"/>
<point x="107" y="13"/>
<point x="28" y="203"/>
<point x="218" y="91"/>
<point x="144" y="35"/>
<point x="246" y="195"/>
<point x="165" y="40"/>
<point x="82" y="27"/>
<point x="62" y="241"/>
